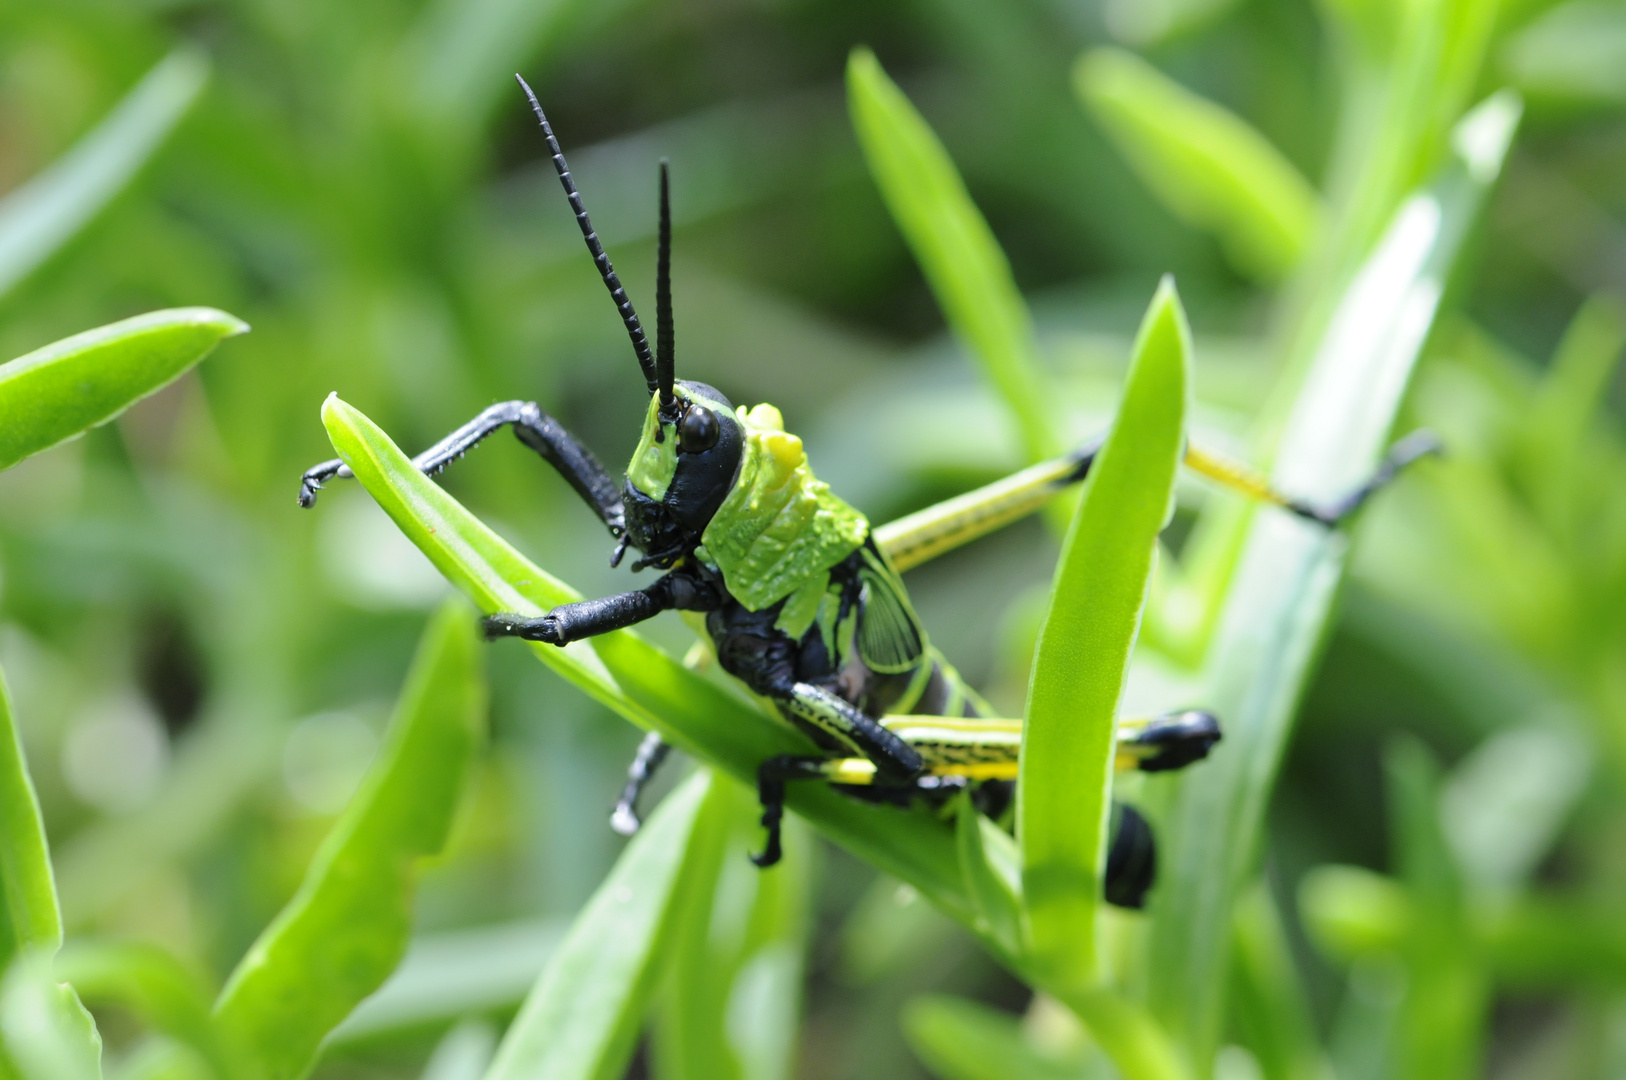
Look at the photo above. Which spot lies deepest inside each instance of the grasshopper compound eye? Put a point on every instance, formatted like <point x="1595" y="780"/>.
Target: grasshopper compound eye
<point x="697" y="431"/>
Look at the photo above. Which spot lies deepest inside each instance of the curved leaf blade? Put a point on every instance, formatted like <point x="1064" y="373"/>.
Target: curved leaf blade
<point x="55" y="393"/>
<point x="582" y="1018"/>
<point x="45" y="1033"/>
<point x="347" y="928"/>
<point x="951" y="241"/>
<point x="1065" y="779"/>
<point x="153" y="984"/>
<point x="1282" y="592"/>
<point x="39" y="217"/>
<point x="30" y="917"/>
<point x="1207" y="165"/>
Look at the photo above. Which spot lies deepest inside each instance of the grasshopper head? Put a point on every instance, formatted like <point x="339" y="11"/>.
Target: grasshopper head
<point x="683" y="468"/>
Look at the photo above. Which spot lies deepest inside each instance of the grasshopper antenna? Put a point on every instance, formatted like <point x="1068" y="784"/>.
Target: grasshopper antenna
<point x="635" y="329"/>
<point x="664" y="334"/>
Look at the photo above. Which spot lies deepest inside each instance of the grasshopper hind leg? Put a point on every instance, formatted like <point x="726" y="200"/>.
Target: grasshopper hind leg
<point x="652" y="751"/>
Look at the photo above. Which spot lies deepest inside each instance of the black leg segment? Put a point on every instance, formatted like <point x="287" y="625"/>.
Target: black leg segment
<point x="588" y="618"/>
<point x="651" y="752"/>
<point x="535" y="428"/>
<point x="771" y="777"/>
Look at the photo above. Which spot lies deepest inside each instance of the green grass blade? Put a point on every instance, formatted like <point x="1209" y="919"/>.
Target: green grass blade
<point x="1208" y="165"/>
<point x="1447" y="1002"/>
<point x="963" y="263"/>
<point x="733" y="988"/>
<point x="966" y="1040"/>
<point x="582" y="1019"/>
<point x="45" y="1033"/>
<point x="1282" y="592"/>
<point x="1269" y="1004"/>
<point x="30" y="917"/>
<point x="999" y="910"/>
<point x="631" y="676"/>
<point x="164" y="993"/>
<point x="37" y="218"/>
<point x="1064" y="790"/>
<point x="347" y="927"/>
<point x="54" y="393"/>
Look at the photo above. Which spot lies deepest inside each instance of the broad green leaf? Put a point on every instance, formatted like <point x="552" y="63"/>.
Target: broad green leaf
<point x="1064" y="791"/>
<point x="29" y="916"/>
<point x="1207" y="164"/>
<point x="953" y="245"/>
<point x="164" y="993"/>
<point x="581" y="1020"/>
<point x="347" y="927"/>
<point x="55" y="393"/>
<point x="1282" y="591"/>
<point x="37" y="218"/>
<point x="966" y="1040"/>
<point x="45" y="1033"/>
<point x="632" y="677"/>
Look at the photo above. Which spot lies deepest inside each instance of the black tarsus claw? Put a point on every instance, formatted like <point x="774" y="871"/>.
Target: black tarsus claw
<point x="773" y="852"/>
<point x="307" y="493"/>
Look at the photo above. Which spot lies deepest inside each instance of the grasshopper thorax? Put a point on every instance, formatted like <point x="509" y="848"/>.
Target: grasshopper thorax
<point x="683" y="469"/>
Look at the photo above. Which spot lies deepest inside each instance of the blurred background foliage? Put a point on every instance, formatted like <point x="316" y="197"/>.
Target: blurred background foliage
<point x="201" y="672"/>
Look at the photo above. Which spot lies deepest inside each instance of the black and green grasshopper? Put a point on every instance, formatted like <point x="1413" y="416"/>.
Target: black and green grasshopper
<point x="800" y="599"/>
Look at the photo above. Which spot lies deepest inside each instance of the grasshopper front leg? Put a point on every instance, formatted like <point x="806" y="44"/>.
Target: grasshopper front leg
<point x="589" y="618"/>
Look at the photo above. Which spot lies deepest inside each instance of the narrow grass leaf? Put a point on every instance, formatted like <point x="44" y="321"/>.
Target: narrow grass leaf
<point x="1269" y="1003"/>
<point x="1447" y="1002"/>
<point x="632" y="677"/>
<point x="345" y="930"/>
<point x="30" y="917"/>
<point x="582" y="1019"/>
<point x="1064" y="790"/>
<point x="959" y="1039"/>
<point x="1282" y="592"/>
<point x="963" y="263"/>
<point x="39" y="217"/>
<point x="732" y="994"/>
<point x="1207" y="164"/>
<point x="999" y="910"/>
<point x="151" y="983"/>
<point x="45" y="1033"/>
<point x="57" y="392"/>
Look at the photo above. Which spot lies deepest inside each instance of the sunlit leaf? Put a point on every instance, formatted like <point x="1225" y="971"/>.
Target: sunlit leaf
<point x="45" y="1033"/>
<point x="1065" y="785"/>
<point x="1282" y="591"/>
<point x="581" y="1019"/>
<point x="956" y="250"/>
<point x="347" y="927"/>
<point x="54" y="393"/>
<point x="1206" y="164"/>
<point x="29" y="916"/>
<point x="143" y="978"/>
<point x="37" y="218"/>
